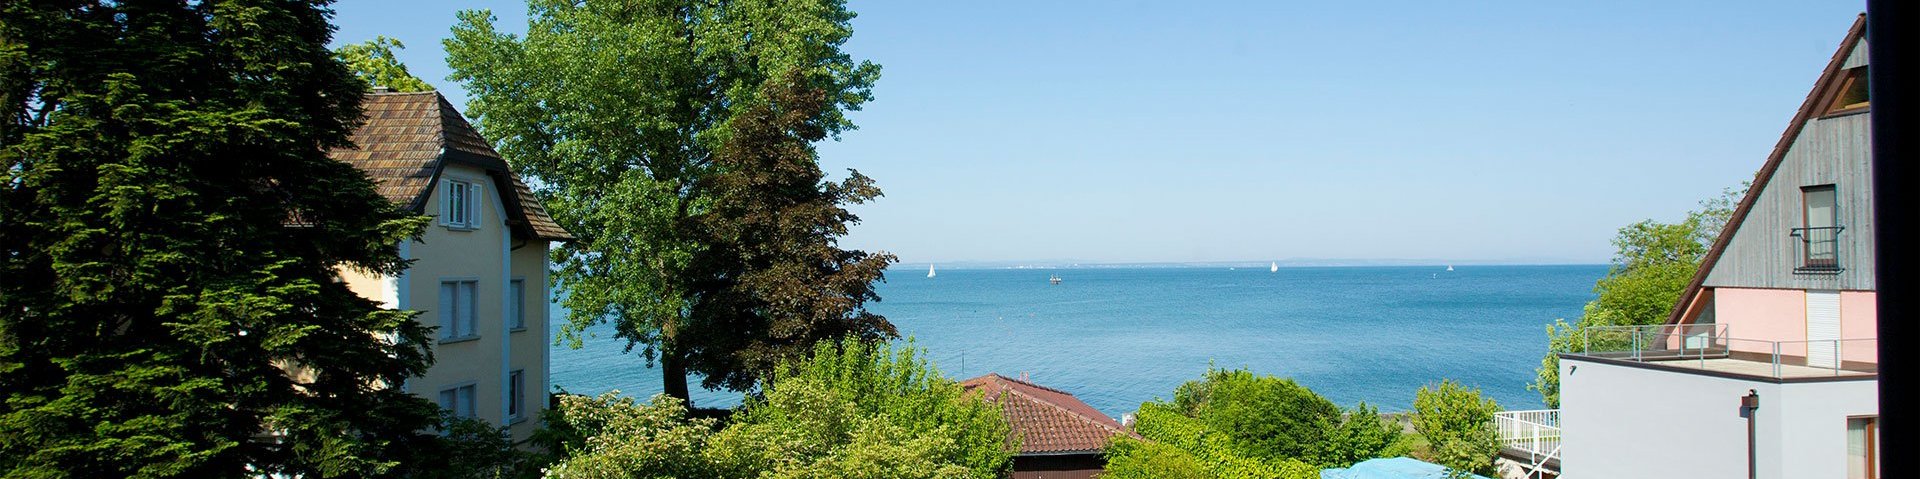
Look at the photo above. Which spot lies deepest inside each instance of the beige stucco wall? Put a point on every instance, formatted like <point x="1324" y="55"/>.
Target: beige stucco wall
<point x="489" y="256"/>
<point x="529" y="346"/>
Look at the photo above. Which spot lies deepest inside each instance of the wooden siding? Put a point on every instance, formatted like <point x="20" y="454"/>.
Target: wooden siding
<point x="1829" y="151"/>
<point x="1859" y="56"/>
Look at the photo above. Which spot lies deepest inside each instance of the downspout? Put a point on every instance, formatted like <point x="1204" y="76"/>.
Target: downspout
<point x="1749" y="404"/>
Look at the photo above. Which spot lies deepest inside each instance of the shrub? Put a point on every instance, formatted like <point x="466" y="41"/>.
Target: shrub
<point x="1458" y="424"/>
<point x="852" y="410"/>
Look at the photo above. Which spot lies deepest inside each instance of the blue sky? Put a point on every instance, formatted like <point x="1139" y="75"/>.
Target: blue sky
<point x="1131" y="131"/>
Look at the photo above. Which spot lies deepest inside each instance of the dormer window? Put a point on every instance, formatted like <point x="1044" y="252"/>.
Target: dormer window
<point x="459" y="205"/>
<point x="1852" y="94"/>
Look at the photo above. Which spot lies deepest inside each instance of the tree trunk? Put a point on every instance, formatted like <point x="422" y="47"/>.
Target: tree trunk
<point x="673" y="376"/>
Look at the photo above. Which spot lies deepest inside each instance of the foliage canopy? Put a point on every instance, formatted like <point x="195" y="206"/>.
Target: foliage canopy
<point x="139" y="138"/>
<point x="625" y="115"/>
<point x="853" y="409"/>
<point x="1652" y="264"/>
<point x="1458" y="423"/>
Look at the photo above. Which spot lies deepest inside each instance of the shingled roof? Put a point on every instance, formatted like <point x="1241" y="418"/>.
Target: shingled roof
<point x="409" y="137"/>
<point x="1047" y="420"/>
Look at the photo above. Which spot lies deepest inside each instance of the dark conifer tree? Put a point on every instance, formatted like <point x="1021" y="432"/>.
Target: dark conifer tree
<point x="171" y="228"/>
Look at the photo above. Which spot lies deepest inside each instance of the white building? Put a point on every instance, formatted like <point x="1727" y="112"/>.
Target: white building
<point x="1782" y="312"/>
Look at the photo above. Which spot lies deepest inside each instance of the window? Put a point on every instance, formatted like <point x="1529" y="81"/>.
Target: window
<point x="459" y="204"/>
<point x="1863" y="448"/>
<point x="1820" y="230"/>
<point x="457" y="309"/>
<point x="516" y="392"/>
<point x="458" y="400"/>
<point x="1853" y="91"/>
<point x="517" y="304"/>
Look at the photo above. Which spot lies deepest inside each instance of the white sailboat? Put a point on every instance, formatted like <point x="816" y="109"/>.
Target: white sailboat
<point x="1273" y="267"/>
<point x="1449" y="267"/>
<point x="929" y="271"/>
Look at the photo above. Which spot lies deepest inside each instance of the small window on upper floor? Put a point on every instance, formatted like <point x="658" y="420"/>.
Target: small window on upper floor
<point x="460" y="204"/>
<point x="1853" y="91"/>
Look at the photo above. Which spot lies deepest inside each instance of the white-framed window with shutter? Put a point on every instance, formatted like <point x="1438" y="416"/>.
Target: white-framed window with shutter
<point x="457" y="317"/>
<point x="460" y="204"/>
<point x="517" y="304"/>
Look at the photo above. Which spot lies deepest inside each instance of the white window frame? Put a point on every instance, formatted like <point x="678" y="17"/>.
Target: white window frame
<point x="451" y="396"/>
<point x="517" y="304"/>
<point x="460" y="204"/>
<point x="459" y="318"/>
<point x="517" y="394"/>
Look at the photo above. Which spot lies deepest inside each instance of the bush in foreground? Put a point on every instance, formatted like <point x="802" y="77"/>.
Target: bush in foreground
<point x="1458" y="424"/>
<point x="1233" y="423"/>
<point x="852" y="410"/>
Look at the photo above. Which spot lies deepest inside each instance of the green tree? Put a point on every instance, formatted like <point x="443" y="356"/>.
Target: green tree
<point x="1233" y="423"/>
<point x="172" y="230"/>
<point x="1266" y="416"/>
<point x="853" y="409"/>
<point x="1458" y="423"/>
<point x="772" y="282"/>
<point x="617" y="110"/>
<point x="374" y="62"/>
<point x="1652" y="264"/>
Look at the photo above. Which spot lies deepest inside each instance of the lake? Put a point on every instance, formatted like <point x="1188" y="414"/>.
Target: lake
<point x="1116" y="337"/>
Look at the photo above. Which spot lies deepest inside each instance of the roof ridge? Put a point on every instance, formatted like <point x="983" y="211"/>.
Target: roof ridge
<point x="1029" y="383"/>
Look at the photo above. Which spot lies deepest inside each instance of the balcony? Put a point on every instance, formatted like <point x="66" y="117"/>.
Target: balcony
<point x="1708" y="348"/>
<point x="1818" y="250"/>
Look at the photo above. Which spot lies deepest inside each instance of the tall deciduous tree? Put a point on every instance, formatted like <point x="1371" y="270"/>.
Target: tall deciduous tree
<point x="170" y="229"/>
<point x="374" y="62"/>
<point x="616" y="109"/>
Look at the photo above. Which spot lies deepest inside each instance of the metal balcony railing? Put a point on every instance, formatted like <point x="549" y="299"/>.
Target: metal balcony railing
<point x="1533" y="436"/>
<point x="1708" y="347"/>
<point x="1818" y="249"/>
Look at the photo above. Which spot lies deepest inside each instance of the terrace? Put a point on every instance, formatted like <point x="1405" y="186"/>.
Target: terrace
<point x="1709" y="348"/>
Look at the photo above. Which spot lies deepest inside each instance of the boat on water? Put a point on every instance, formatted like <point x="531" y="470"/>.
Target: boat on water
<point x="1273" y="267"/>
<point x="1449" y="267"/>
<point x="1055" y="279"/>
<point x="929" y="271"/>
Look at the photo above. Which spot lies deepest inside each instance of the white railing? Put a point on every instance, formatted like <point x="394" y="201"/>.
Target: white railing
<point x="1535" y="434"/>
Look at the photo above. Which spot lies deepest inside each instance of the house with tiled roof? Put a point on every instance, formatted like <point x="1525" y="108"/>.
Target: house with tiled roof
<point x="1059" y="436"/>
<point x="479" y="272"/>
<point x="1768" y="364"/>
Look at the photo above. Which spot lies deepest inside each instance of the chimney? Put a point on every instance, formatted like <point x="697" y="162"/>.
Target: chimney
<point x="382" y="89"/>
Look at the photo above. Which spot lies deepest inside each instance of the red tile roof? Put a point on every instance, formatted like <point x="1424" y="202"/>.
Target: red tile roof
<point x="1047" y="420"/>
<point x="408" y="138"/>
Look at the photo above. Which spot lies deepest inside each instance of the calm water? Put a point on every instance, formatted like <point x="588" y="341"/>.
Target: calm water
<point x="1117" y="337"/>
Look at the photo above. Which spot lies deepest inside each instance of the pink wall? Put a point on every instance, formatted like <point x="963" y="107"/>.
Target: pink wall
<point x="1762" y="314"/>
<point x="1757" y="315"/>
<point x="1859" y="316"/>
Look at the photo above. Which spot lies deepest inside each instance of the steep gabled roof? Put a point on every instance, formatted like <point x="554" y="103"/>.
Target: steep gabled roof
<point x="1047" y="420"/>
<point x="408" y="138"/>
<point x="1812" y="107"/>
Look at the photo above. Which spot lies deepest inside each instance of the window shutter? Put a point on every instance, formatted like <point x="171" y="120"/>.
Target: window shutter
<point x="473" y="204"/>
<point x="446" y="310"/>
<point x="446" y="202"/>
